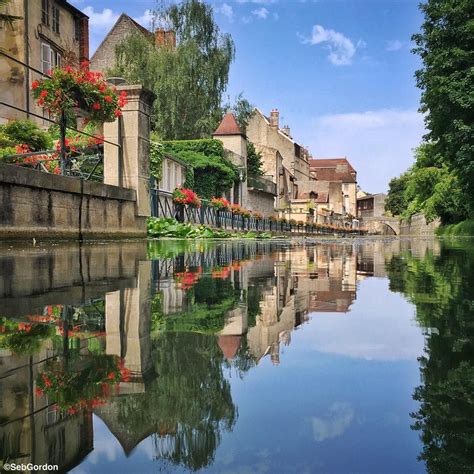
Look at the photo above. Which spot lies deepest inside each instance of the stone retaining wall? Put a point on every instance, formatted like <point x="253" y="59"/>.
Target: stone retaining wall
<point x="417" y="226"/>
<point x="42" y="205"/>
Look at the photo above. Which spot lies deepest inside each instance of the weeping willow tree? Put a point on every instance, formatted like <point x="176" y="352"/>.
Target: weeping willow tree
<point x="188" y="80"/>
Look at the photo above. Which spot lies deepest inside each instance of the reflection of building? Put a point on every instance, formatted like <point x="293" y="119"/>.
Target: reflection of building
<point x="30" y="431"/>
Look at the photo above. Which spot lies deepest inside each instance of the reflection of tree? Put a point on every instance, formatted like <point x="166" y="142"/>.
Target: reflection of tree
<point x="442" y="290"/>
<point x="208" y="302"/>
<point x="187" y="407"/>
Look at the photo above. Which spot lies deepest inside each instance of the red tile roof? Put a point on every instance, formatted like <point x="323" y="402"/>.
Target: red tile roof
<point x="228" y="126"/>
<point x="229" y="345"/>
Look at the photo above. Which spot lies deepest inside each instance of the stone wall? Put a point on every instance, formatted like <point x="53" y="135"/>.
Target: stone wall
<point x="43" y="205"/>
<point x="261" y="202"/>
<point x="417" y="226"/>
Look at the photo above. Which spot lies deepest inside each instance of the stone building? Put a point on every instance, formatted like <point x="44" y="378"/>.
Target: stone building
<point x="371" y="205"/>
<point x="48" y="33"/>
<point x="104" y="57"/>
<point x="284" y="161"/>
<point x="254" y="193"/>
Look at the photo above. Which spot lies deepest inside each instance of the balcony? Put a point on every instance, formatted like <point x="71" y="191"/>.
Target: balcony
<point x="262" y="184"/>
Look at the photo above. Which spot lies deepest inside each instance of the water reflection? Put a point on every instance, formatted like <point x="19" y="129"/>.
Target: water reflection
<point x="145" y="340"/>
<point x="440" y="287"/>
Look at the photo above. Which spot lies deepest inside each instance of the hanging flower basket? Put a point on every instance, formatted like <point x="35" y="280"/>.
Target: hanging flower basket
<point x="220" y="204"/>
<point x="74" y="90"/>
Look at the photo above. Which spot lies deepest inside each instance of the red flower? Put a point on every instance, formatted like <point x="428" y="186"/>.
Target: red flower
<point x="111" y="376"/>
<point x="107" y="98"/>
<point x="118" y="112"/>
<point x="96" y="106"/>
<point x="35" y="85"/>
<point x="85" y="64"/>
<point x="38" y="392"/>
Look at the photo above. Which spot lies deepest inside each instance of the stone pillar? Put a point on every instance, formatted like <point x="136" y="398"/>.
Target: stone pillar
<point x="134" y="126"/>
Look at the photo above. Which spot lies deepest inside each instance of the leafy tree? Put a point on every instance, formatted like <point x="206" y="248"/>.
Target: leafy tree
<point x="189" y="81"/>
<point x="26" y="132"/>
<point x="396" y="201"/>
<point x="254" y="161"/>
<point x="242" y="109"/>
<point x="446" y="47"/>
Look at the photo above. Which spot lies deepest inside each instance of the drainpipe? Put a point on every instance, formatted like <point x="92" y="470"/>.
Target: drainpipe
<point x="27" y="58"/>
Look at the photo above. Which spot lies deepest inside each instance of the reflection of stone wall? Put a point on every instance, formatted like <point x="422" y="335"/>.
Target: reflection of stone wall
<point x="66" y="273"/>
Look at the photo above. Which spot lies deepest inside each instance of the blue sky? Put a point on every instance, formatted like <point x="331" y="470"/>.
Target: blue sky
<point x="340" y="72"/>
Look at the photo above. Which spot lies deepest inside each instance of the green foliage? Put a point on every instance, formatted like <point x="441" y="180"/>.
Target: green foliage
<point x="169" y="227"/>
<point x="440" y="287"/>
<point x="254" y="161"/>
<point x="23" y="342"/>
<point x="26" y="132"/>
<point x="188" y="82"/>
<point x="242" y="109"/>
<point x="446" y="48"/>
<point x="428" y="187"/>
<point x="211" y="173"/>
<point x="465" y="228"/>
<point x="156" y="160"/>
<point x="396" y="201"/>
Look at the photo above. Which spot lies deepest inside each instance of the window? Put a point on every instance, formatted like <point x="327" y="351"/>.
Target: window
<point x="49" y="58"/>
<point x="77" y="29"/>
<point x="45" y="12"/>
<point x="55" y="19"/>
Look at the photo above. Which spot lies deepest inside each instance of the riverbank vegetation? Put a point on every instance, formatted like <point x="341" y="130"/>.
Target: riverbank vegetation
<point x="441" y="182"/>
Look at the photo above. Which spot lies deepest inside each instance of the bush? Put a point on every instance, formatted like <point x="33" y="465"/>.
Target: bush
<point x="28" y="133"/>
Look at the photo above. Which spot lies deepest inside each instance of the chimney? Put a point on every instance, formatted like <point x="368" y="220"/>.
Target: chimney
<point x="275" y="118"/>
<point x="165" y="39"/>
<point x="286" y="130"/>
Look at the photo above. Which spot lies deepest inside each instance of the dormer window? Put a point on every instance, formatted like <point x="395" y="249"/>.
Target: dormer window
<point x="45" y="12"/>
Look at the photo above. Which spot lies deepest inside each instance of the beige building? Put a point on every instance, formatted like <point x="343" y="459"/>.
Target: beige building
<point x="49" y="33"/>
<point x="254" y="193"/>
<point x="284" y="161"/>
<point x="104" y="56"/>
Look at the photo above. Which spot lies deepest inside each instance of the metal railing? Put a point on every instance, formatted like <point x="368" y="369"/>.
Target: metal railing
<point x="162" y="205"/>
<point x="83" y="161"/>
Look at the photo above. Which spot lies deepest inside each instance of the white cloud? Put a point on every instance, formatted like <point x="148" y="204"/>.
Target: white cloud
<point x="341" y="49"/>
<point x="339" y="417"/>
<point x="261" y="13"/>
<point x="378" y="143"/>
<point x="146" y="19"/>
<point x="104" y="19"/>
<point x="394" y="45"/>
<point x="226" y="10"/>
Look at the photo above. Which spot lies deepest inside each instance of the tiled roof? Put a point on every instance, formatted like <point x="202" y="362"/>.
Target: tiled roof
<point x="331" y="174"/>
<point x="330" y="163"/>
<point x="229" y="345"/>
<point x="228" y="126"/>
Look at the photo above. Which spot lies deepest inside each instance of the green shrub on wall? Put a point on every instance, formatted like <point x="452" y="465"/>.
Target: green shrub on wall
<point x="211" y="174"/>
<point x="28" y="133"/>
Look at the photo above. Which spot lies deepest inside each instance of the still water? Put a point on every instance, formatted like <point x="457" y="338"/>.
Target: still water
<point x="238" y="357"/>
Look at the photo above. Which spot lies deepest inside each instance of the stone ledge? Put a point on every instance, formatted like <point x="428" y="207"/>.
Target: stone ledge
<point x="16" y="175"/>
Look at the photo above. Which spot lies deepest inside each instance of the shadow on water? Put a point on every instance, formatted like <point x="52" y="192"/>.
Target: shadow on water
<point x="146" y="339"/>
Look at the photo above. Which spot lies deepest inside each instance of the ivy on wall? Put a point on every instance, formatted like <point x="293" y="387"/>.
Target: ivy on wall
<point x="210" y="173"/>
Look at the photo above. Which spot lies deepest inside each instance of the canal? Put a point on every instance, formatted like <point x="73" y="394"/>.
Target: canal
<point x="238" y="356"/>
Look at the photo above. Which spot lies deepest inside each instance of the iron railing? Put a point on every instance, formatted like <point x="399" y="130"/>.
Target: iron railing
<point x="83" y="161"/>
<point x="162" y="205"/>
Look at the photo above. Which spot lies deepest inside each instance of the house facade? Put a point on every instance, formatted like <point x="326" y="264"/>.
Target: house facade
<point x="285" y="162"/>
<point x="253" y="193"/>
<point x="371" y="205"/>
<point x="104" y="57"/>
<point x="49" y="33"/>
